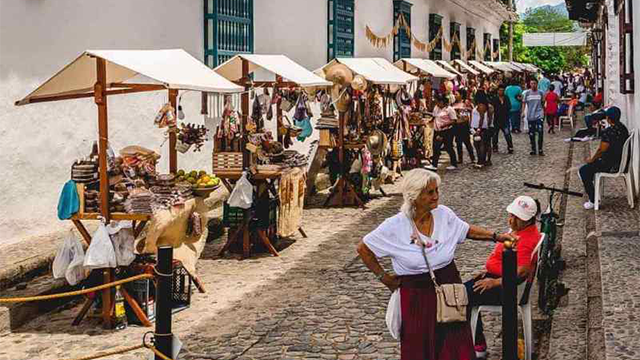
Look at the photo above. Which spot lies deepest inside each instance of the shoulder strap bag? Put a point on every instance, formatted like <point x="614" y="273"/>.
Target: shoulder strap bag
<point x="451" y="299"/>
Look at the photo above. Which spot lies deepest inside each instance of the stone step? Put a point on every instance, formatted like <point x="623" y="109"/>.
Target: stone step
<point x="13" y="315"/>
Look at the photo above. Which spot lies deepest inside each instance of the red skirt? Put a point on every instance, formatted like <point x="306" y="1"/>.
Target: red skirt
<point x="421" y="337"/>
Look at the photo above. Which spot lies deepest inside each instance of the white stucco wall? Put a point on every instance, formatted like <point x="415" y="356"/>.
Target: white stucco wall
<point x="40" y="142"/>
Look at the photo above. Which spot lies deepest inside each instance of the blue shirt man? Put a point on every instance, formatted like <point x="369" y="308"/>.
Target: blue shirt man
<point x="514" y="93"/>
<point x="543" y="84"/>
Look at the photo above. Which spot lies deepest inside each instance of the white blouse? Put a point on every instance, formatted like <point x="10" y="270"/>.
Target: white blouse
<point x="393" y="239"/>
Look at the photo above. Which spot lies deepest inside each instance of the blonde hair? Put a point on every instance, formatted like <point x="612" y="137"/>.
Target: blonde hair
<point x="414" y="182"/>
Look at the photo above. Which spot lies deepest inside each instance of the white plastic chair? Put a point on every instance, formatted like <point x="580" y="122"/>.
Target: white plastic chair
<point x="625" y="164"/>
<point x="524" y="292"/>
<point x="569" y="117"/>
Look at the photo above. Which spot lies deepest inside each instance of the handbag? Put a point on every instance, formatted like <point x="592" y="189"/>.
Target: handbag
<point x="451" y="299"/>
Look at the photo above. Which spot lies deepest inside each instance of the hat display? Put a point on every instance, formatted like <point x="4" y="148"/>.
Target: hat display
<point x="359" y="83"/>
<point x="523" y="207"/>
<point x="339" y="74"/>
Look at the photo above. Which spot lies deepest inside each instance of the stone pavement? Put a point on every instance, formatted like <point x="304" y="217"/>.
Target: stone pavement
<point x="616" y="239"/>
<point x="316" y="300"/>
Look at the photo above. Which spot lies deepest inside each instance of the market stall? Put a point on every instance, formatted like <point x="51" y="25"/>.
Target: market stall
<point x="359" y="84"/>
<point x="445" y="65"/>
<point x="481" y="67"/>
<point x="125" y="192"/>
<point x="275" y="177"/>
<point x="462" y="67"/>
<point x="498" y="66"/>
<point x="421" y="135"/>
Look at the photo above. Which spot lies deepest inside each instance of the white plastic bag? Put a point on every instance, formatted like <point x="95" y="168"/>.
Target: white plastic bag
<point x="121" y="233"/>
<point x="242" y="194"/>
<point x="394" y="315"/>
<point x="101" y="253"/>
<point x="75" y="272"/>
<point x="63" y="258"/>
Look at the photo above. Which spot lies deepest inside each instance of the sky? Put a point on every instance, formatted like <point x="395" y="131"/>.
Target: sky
<point x="524" y="4"/>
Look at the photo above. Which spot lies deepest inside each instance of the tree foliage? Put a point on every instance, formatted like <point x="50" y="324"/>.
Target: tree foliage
<point x="549" y="59"/>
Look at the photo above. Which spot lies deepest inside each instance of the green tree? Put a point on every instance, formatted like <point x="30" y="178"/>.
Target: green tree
<point x="549" y="59"/>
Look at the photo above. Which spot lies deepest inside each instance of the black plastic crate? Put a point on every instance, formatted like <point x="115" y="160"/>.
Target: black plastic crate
<point x="265" y="214"/>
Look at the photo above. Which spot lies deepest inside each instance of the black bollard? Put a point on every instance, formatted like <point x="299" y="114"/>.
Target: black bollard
<point x="509" y="303"/>
<point x="163" y="337"/>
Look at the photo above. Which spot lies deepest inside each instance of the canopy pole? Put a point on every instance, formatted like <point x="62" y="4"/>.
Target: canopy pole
<point x="173" y="154"/>
<point x="103" y="135"/>
<point x="245" y="113"/>
<point x="278" y="110"/>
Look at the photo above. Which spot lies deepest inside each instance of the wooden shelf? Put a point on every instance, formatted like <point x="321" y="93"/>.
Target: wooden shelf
<point x="114" y="216"/>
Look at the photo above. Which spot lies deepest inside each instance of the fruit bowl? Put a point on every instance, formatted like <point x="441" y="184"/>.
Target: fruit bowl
<point x="205" y="191"/>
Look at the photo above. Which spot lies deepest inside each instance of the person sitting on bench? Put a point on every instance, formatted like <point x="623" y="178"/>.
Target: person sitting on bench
<point x="608" y="156"/>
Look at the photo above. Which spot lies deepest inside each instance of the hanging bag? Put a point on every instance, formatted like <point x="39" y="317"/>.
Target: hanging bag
<point x="451" y="299"/>
<point x="394" y="315"/>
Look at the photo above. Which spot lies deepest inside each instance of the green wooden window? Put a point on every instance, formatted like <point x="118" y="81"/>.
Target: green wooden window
<point x="401" y="42"/>
<point x="435" y="23"/>
<point x="471" y="39"/>
<point x="340" y="29"/>
<point x="495" y="49"/>
<point x="487" y="45"/>
<point x="453" y="31"/>
<point x="228" y="30"/>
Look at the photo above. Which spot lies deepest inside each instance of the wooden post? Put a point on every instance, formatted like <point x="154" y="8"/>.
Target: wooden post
<point x="278" y="110"/>
<point x="173" y="154"/>
<point x="100" y="97"/>
<point x="107" y="304"/>
<point x="245" y="114"/>
<point x="510" y="45"/>
<point x="343" y="170"/>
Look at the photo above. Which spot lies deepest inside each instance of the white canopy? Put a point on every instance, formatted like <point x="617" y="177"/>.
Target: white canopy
<point x="519" y="66"/>
<point x="529" y="67"/>
<point x="426" y="66"/>
<point x="499" y="66"/>
<point x="277" y="64"/>
<point x="445" y="65"/>
<point x="555" y="39"/>
<point x="466" y="68"/>
<point x="511" y="66"/>
<point x="478" y="65"/>
<point x="375" y="70"/>
<point x="174" y="69"/>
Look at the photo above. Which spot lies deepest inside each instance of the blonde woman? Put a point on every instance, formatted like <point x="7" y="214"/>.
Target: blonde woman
<point x="440" y="231"/>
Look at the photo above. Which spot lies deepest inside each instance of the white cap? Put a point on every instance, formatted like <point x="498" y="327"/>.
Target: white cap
<point x="524" y="207"/>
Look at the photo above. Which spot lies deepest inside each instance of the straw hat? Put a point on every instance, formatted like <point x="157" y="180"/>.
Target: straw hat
<point x="339" y="74"/>
<point x="359" y="83"/>
<point x="393" y="88"/>
<point x="376" y="142"/>
<point x="342" y="98"/>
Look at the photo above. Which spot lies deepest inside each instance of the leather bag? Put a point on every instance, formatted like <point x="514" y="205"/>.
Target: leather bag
<point x="451" y="299"/>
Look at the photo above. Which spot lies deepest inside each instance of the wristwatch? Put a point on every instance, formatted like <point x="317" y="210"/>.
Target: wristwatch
<point x="381" y="276"/>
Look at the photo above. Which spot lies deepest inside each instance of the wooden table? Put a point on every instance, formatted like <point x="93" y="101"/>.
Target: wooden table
<point x="263" y="180"/>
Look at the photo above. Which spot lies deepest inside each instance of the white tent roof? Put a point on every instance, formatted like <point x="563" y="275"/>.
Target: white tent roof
<point x="529" y="67"/>
<point x="518" y="66"/>
<point x="466" y="68"/>
<point x="445" y="65"/>
<point x="426" y="66"/>
<point x="511" y="66"/>
<point x="375" y="70"/>
<point x="277" y="64"/>
<point x="499" y="66"/>
<point x="478" y="65"/>
<point x="175" y="69"/>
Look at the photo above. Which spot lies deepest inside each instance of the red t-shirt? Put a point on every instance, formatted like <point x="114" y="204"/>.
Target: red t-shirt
<point x="551" y="105"/>
<point x="529" y="238"/>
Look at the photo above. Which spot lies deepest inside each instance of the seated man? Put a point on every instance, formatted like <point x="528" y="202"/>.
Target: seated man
<point x="608" y="156"/>
<point x="486" y="288"/>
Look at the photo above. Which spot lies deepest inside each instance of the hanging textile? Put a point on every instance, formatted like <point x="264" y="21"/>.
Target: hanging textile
<point x="293" y="184"/>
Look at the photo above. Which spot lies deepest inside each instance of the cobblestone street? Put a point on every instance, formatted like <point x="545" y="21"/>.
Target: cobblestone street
<point x="317" y="300"/>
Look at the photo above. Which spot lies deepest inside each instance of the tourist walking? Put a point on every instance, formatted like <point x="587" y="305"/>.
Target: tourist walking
<point x="461" y="129"/>
<point x="502" y="108"/>
<point x="514" y="93"/>
<point x="551" y="101"/>
<point x="444" y="119"/>
<point x="481" y="133"/>
<point x="532" y="99"/>
<point x="438" y="231"/>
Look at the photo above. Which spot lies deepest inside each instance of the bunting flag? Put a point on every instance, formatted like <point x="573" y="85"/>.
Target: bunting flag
<point x="482" y="52"/>
<point x="401" y="24"/>
<point x="470" y="51"/>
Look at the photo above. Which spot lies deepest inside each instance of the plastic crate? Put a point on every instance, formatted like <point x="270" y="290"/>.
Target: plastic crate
<point x="144" y="291"/>
<point x="263" y="215"/>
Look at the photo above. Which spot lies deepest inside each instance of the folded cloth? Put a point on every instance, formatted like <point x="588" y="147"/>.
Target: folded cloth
<point x="69" y="202"/>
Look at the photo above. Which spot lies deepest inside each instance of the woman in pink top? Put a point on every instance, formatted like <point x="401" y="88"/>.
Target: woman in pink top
<point x="551" y="101"/>
<point x="444" y="117"/>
